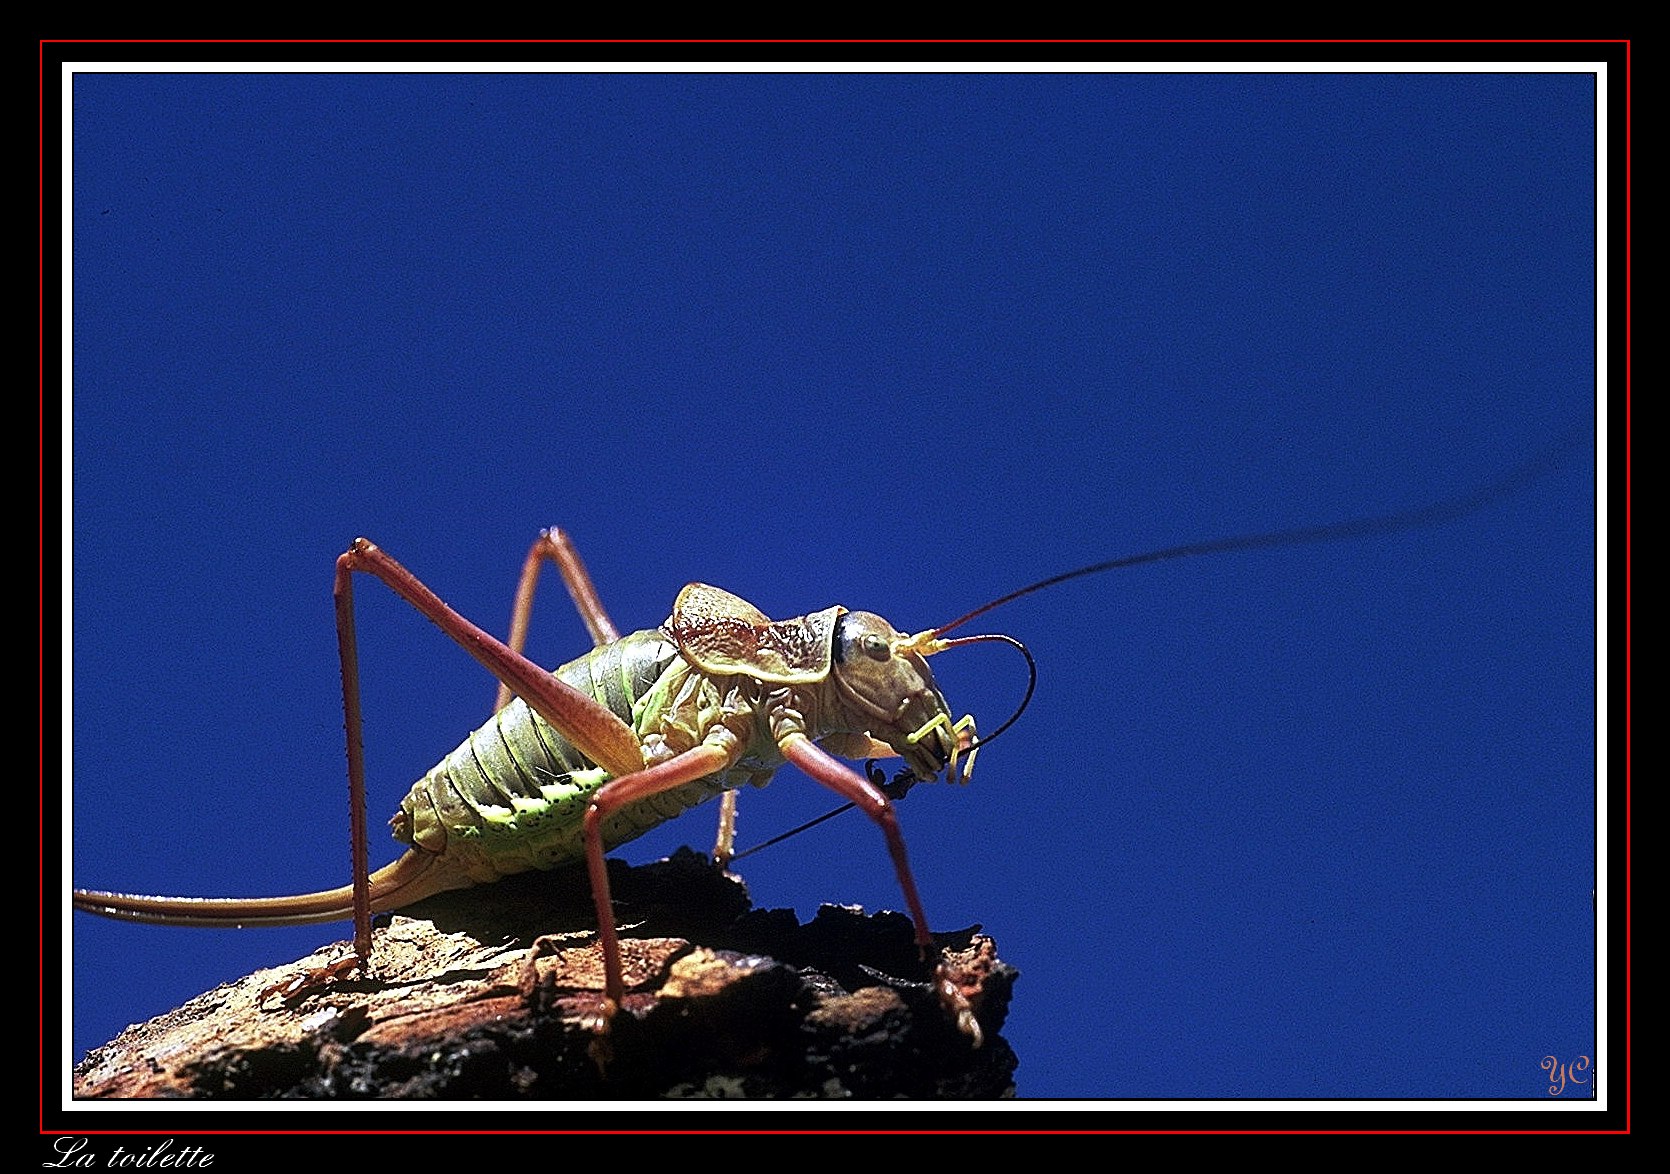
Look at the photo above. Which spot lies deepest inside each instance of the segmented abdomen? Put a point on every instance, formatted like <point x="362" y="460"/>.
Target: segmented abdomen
<point x="511" y="798"/>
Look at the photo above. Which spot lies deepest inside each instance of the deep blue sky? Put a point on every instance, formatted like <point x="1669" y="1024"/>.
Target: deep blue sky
<point x="1291" y="823"/>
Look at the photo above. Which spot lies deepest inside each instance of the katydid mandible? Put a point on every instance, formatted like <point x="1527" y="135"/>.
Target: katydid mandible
<point x="577" y="761"/>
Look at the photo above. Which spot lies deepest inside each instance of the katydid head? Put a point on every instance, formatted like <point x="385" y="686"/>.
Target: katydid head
<point x="881" y="676"/>
<point x="890" y="693"/>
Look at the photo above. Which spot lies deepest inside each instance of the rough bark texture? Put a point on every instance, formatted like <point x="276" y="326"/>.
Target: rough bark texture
<point x="723" y="1001"/>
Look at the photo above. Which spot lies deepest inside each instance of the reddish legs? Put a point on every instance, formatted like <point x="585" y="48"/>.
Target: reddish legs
<point x="693" y="764"/>
<point x="553" y="545"/>
<point x="599" y="734"/>
<point x="868" y="798"/>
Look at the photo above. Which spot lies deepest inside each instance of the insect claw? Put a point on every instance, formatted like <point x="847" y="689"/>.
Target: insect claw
<point x="284" y="989"/>
<point x="601" y="1049"/>
<point x="899" y="787"/>
<point x="599" y="1019"/>
<point x="298" y="986"/>
<point x="956" y="1004"/>
<point x="537" y="993"/>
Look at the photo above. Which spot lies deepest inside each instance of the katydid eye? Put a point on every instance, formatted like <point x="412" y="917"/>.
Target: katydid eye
<point x="860" y="639"/>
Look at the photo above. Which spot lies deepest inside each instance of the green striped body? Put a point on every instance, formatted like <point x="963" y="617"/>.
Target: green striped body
<point x="511" y="798"/>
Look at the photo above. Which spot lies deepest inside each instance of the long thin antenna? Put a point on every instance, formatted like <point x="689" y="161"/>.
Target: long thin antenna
<point x="1429" y="515"/>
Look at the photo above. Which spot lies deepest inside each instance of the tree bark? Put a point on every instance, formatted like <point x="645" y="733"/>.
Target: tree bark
<point x="723" y="1001"/>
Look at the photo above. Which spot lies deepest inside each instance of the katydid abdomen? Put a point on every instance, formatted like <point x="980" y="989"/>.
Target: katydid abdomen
<point x="510" y="798"/>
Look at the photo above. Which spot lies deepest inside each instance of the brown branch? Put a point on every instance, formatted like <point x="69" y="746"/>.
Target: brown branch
<point x="723" y="1001"/>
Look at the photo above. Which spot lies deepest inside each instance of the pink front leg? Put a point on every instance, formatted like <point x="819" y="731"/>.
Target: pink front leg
<point x="868" y="798"/>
